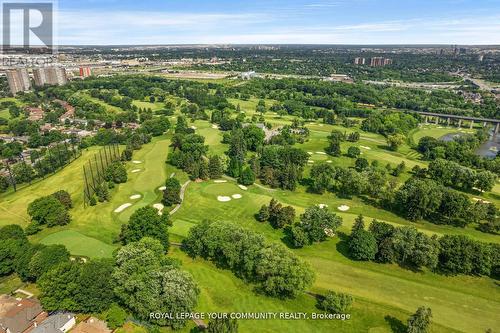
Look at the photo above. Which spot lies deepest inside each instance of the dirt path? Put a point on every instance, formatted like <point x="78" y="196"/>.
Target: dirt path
<point x="181" y="194"/>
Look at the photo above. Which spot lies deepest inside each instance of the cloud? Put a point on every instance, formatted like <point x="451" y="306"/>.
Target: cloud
<point x="149" y="27"/>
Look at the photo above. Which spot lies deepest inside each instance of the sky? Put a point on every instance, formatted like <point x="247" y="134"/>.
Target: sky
<point x="125" y="22"/>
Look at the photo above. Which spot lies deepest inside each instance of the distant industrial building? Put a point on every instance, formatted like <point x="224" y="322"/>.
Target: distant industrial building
<point x="19" y="80"/>
<point x="359" y="61"/>
<point x="50" y="76"/>
<point x="380" y="61"/>
<point x="85" y="71"/>
<point x="248" y="75"/>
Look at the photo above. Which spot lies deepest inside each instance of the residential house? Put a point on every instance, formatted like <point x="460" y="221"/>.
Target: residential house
<point x="56" y="323"/>
<point x="92" y="325"/>
<point x="35" y="114"/>
<point x="19" y="315"/>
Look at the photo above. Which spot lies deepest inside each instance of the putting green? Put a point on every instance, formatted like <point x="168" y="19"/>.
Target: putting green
<point x="80" y="245"/>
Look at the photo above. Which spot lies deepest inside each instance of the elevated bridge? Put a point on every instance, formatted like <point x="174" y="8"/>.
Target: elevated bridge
<point x="453" y="119"/>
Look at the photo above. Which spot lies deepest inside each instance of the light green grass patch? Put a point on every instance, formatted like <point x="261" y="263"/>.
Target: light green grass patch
<point x="80" y="245"/>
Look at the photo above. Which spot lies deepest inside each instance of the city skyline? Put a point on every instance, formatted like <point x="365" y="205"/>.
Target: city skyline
<point x="366" y="22"/>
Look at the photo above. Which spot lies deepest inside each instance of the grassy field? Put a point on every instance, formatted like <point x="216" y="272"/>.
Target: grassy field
<point x="80" y="245"/>
<point x="385" y="295"/>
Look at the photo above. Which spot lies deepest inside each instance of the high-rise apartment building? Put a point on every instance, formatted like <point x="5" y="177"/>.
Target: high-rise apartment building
<point x="50" y="76"/>
<point x="18" y="80"/>
<point x="380" y="61"/>
<point x="85" y="71"/>
<point x="359" y="61"/>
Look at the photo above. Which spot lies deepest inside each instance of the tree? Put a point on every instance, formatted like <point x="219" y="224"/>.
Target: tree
<point x="116" y="173"/>
<point x="319" y="223"/>
<point x="361" y="164"/>
<point x="282" y="274"/>
<point x="285" y="216"/>
<point x="74" y="286"/>
<point x="247" y="177"/>
<point x="48" y="210"/>
<point x="485" y="180"/>
<point x="263" y="214"/>
<point x="414" y="248"/>
<point x="420" y="321"/>
<point x="145" y="222"/>
<point x="334" y="302"/>
<point x="46" y="258"/>
<point x="223" y="325"/>
<point x="115" y="316"/>
<point x="64" y="198"/>
<point x="146" y="283"/>
<point x="362" y="245"/>
<point x="254" y="137"/>
<point x="322" y="176"/>
<point x="418" y="198"/>
<point x="353" y="152"/>
<point x="171" y="194"/>
<point x="395" y="140"/>
<point x="215" y="168"/>
<point x="102" y="192"/>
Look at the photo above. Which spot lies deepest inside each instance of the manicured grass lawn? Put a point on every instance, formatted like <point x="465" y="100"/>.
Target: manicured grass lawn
<point x="80" y="245"/>
<point x="148" y="105"/>
<point x="384" y="294"/>
<point x="379" y="286"/>
<point x="5" y="114"/>
<point x="10" y="283"/>
<point x="436" y="131"/>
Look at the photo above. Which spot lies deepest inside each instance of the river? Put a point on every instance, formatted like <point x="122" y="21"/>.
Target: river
<point x="488" y="149"/>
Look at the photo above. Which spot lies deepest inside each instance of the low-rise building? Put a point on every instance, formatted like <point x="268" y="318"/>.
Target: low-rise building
<point x="57" y="323"/>
<point x="35" y="114"/>
<point x="92" y="325"/>
<point x="19" y="315"/>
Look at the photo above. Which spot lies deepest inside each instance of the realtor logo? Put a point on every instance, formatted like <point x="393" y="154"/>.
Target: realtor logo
<point x="27" y="27"/>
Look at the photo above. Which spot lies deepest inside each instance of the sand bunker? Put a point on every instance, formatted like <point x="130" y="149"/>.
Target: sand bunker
<point x="162" y="188"/>
<point x="223" y="198"/>
<point x="329" y="161"/>
<point x="343" y="208"/>
<point x="236" y="196"/>
<point x="320" y="153"/>
<point x="310" y="161"/>
<point x="193" y="127"/>
<point x="136" y="170"/>
<point x="159" y="207"/>
<point x="137" y="162"/>
<point x="322" y="206"/>
<point x="215" y="126"/>
<point x="481" y="200"/>
<point x="243" y="187"/>
<point x="310" y="152"/>
<point x="123" y="207"/>
<point x="135" y="196"/>
<point x="365" y="147"/>
<point x="220" y="181"/>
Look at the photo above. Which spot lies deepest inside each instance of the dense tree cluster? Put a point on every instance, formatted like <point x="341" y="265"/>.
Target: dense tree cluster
<point x="189" y="151"/>
<point x="51" y="210"/>
<point x="146" y="222"/>
<point x="462" y="178"/>
<point x="282" y="166"/>
<point x="461" y="150"/>
<point x="425" y="199"/>
<point x="450" y="254"/>
<point x="171" y="194"/>
<point x="316" y="225"/>
<point x="146" y="281"/>
<point x="277" y="215"/>
<point x="275" y="270"/>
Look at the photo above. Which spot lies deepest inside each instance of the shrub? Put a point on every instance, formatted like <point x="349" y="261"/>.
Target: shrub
<point x="334" y="302"/>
